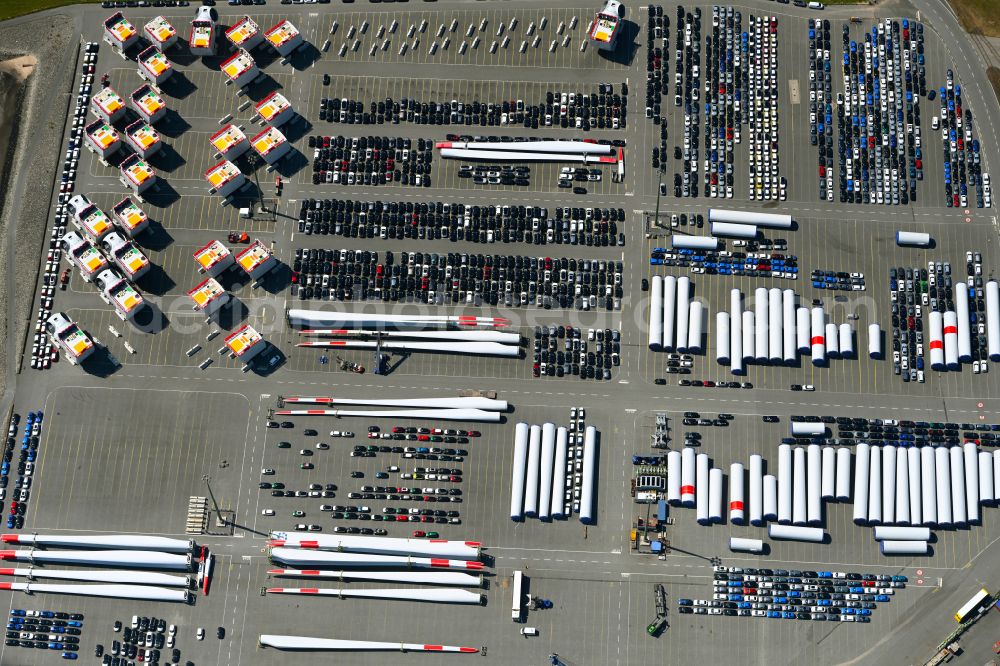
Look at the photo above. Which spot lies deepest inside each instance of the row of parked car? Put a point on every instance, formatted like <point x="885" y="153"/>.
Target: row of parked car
<point x="792" y="594"/>
<point x="371" y="160"/>
<point x="45" y="630"/>
<point x="687" y="95"/>
<point x="878" y="115"/>
<point x="601" y="109"/>
<point x="454" y="277"/>
<point x="962" y="161"/>
<point x="590" y="356"/>
<point x="724" y="262"/>
<point x="43" y="352"/>
<point x="437" y="220"/>
<point x="759" y="45"/>
<point x="904" y="433"/>
<point x="25" y="467"/>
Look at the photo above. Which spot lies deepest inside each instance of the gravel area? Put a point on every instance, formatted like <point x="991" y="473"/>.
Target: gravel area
<point x="30" y="173"/>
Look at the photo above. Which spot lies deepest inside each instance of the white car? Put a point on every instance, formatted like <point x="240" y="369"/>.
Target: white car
<point x="200" y="634"/>
<point x="267" y="471"/>
<point x="808" y="387"/>
<point x="267" y="512"/>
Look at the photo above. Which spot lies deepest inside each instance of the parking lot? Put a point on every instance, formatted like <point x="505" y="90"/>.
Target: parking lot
<point x="130" y="439"/>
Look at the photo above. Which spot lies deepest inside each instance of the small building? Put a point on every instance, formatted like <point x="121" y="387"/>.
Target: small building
<point x="214" y="259"/>
<point x="90" y="219"/>
<point x="202" y="38"/>
<point x="225" y="178"/>
<point x="82" y="254"/>
<point x="209" y="297"/>
<point x="275" y="110"/>
<point x="245" y="34"/>
<point x="126" y="255"/>
<point x="256" y="261"/>
<point x="143" y="138"/>
<point x="120" y="294"/>
<point x="160" y="33"/>
<point x="75" y="345"/>
<point x="148" y="104"/>
<point x="131" y="219"/>
<point x="103" y="139"/>
<point x="240" y="69"/>
<point x="230" y="142"/>
<point x="137" y="174"/>
<point x="119" y="32"/>
<point x="284" y="37"/>
<point x="107" y="105"/>
<point x="245" y="343"/>
<point x="154" y="66"/>
<point x="271" y="145"/>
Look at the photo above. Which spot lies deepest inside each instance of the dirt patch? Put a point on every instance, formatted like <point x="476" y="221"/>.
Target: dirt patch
<point x="20" y="68"/>
<point x="978" y="17"/>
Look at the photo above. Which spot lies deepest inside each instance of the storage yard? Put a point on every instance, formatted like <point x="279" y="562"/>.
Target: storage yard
<point x="300" y="386"/>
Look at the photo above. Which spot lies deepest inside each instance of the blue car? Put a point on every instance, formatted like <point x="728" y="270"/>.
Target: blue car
<point x="20" y="612"/>
<point x="735" y="597"/>
<point x="788" y="615"/>
<point x="864" y="611"/>
<point x="794" y="594"/>
<point x="69" y="655"/>
<point x="857" y="590"/>
<point x="744" y="604"/>
<point x="685" y="602"/>
<point x="773" y="614"/>
<point x="898" y="579"/>
<point x="823" y="602"/>
<point x="881" y="597"/>
<point x="848" y="611"/>
<point x="55" y="646"/>
<point x="74" y="623"/>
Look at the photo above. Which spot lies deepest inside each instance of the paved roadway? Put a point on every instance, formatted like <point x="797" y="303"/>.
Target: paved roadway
<point x="143" y="436"/>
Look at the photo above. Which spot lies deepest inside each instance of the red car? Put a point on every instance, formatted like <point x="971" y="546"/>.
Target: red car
<point x="419" y="534"/>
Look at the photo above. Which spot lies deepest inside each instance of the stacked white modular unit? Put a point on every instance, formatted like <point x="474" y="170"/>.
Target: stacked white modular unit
<point x="802" y="326"/>
<point x="788" y="327"/>
<point x="669" y="312"/>
<point x="861" y="477"/>
<point x="559" y="476"/>
<point x="756" y="490"/>
<point x="760" y="304"/>
<point x="545" y="470"/>
<point x="722" y="338"/>
<point x="736" y="511"/>
<point x="889" y="485"/>
<point x="962" y="312"/>
<point x="696" y="320"/>
<point x="928" y="487"/>
<point x="683" y="312"/>
<point x="784" y="508"/>
<point x="770" y="497"/>
<point x="818" y="337"/>
<point x="799" y="486"/>
<point x="518" y="472"/>
<point x="993" y="319"/>
<point x="715" y="495"/>
<point x="656" y="314"/>
<point x="843" y="474"/>
<point x="701" y="489"/>
<point x="874" y="341"/>
<point x="775" y="352"/>
<point x="534" y="463"/>
<point x="674" y="477"/>
<point x="736" y="331"/>
<point x="587" y="504"/>
<point x="687" y="477"/>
